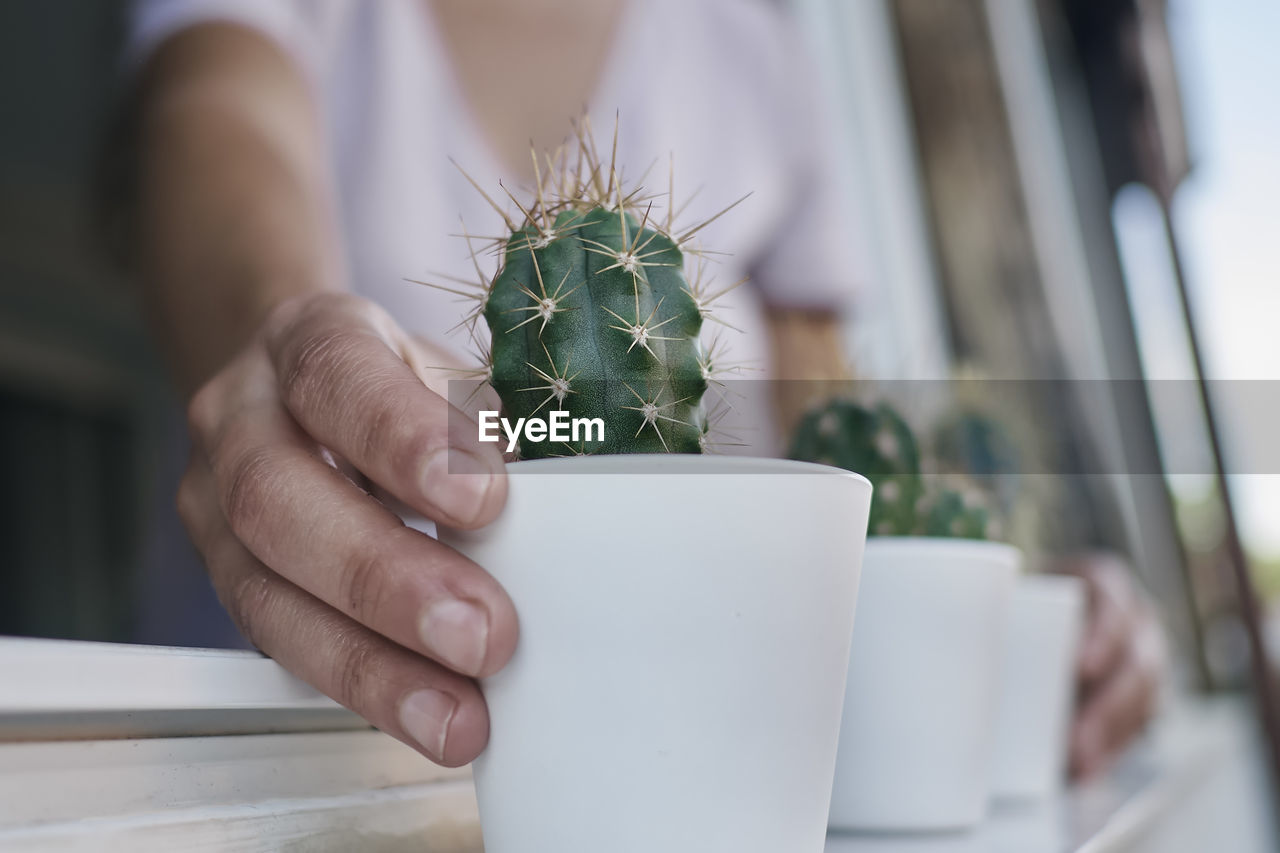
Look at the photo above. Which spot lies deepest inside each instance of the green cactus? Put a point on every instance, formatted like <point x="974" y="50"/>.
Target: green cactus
<point x="974" y="443"/>
<point x="952" y="513"/>
<point x="594" y="315"/>
<point x="876" y="443"/>
<point x="879" y="444"/>
<point x="591" y="313"/>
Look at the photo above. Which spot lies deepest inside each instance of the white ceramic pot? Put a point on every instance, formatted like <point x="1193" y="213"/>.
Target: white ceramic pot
<point x="1045" y="623"/>
<point x="684" y="637"/>
<point x="924" y="682"/>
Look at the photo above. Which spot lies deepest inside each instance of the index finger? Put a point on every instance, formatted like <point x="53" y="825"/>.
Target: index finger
<point x="351" y="391"/>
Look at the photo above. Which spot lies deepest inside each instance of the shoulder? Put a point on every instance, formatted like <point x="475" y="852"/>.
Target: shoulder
<point x="750" y="52"/>
<point x="294" y="24"/>
<point x="756" y="38"/>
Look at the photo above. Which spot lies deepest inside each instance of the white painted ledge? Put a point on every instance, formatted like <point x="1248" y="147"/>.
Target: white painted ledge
<point x="53" y="689"/>
<point x="88" y="762"/>
<point x="49" y="782"/>
<point x="428" y="818"/>
<point x="1162" y="797"/>
<point x="109" y="748"/>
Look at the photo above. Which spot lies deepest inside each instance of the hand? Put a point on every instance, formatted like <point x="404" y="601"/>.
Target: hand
<point x="317" y="573"/>
<point x="1120" y="665"/>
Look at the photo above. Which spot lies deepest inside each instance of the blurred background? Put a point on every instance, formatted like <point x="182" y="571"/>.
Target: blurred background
<point x="1064" y="189"/>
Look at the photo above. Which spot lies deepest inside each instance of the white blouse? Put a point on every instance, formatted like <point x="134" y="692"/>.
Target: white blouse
<point x="713" y="82"/>
<point x="720" y="84"/>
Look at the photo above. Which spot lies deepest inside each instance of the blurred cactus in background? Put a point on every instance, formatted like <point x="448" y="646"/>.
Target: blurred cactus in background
<point x="879" y="444"/>
<point x="876" y="443"/>
<point x="973" y="443"/>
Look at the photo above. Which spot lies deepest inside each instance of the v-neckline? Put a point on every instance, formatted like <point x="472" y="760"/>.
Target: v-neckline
<point x="478" y="141"/>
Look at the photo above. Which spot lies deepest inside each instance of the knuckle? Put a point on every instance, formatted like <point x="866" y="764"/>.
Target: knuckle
<point x="188" y="505"/>
<point x="295" y="315"/>
<point x="246" y="602"/>
<point x="378" y="427"/>
<point x="365" y="583"/>
<point x="396" y="428"/>
<point x="203" y="411"/>
<point x="250" y="488"/>
<point x="338" y="372"/>
<point x="311" y="364"/>
<point x="356" y="667"/>
<point x="284" y="316"/>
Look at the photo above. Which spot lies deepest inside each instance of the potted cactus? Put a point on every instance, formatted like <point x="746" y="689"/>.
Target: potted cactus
<point x="685" y="618"/>
<point x="1046" y="616"/>
<point x="1037" y="696"/>
<point x="924" y="682"/>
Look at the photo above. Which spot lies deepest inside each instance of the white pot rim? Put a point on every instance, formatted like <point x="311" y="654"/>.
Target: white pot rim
<point x="676" y="463"/>
<point x="1046" y="582"/>
<point x="929" y="544"/>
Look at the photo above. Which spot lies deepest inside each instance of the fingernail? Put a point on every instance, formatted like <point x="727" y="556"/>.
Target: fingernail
<point x="425" y="716"/>
<point x="456" y="632"/>
<point x="457" y="482"/>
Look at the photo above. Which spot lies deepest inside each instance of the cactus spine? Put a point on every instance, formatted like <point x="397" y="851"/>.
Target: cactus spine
<point x="879" y="444"/>
<point x="591" y="313"/>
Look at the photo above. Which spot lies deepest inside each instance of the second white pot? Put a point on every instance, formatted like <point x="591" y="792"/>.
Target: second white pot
<point x="1045" y="623"/>
<point x="924" y="683"/>
<point x="684" y="638"/>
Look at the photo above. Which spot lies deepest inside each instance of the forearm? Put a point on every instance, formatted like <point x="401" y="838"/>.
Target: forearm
<point x="809" y="360"/>
<point x="234" y="208"/>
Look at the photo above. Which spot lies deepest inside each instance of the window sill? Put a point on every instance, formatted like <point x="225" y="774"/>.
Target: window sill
<point x="89" y="761"/>
<point x="1135" y="806"/>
